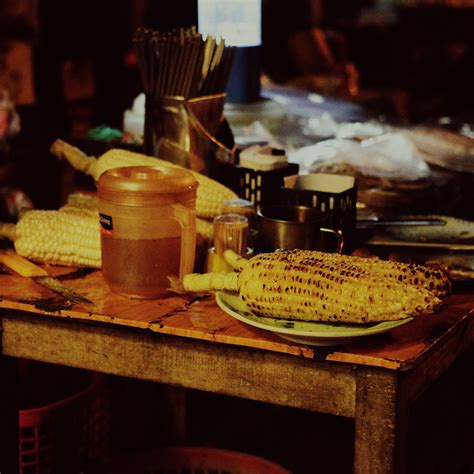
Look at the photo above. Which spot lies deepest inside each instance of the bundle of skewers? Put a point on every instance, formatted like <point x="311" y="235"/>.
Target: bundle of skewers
<point x="182" y="63"/>
<point x="178" y="65"/>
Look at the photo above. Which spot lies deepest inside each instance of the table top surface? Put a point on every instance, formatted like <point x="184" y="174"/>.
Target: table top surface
<point x="198" y="317"/>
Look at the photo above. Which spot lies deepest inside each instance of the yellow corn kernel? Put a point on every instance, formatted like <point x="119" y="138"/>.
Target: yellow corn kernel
<point x="88" y="204"/>
<point x="303" y="286"/>
<point x="434" y="280"/>
<point x="210" y="195"/>
<point x="58" y="238"/>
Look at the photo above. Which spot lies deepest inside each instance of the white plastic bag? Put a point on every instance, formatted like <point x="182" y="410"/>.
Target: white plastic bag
<point x="390" y="155"/>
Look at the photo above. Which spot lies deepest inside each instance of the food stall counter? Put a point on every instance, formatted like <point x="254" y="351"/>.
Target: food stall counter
<point x="189" y="341"/>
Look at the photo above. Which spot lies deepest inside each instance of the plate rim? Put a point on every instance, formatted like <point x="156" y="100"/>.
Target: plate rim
<point x="381" y="327"/>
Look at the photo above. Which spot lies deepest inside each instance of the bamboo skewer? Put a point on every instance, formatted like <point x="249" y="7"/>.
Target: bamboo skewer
<point x="191" y="89"/>
<point x="182" y="63"/>
<point x="185" y="69"/>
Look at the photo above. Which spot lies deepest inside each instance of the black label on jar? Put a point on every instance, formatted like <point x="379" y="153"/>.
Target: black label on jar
<point x="106" y="224"/>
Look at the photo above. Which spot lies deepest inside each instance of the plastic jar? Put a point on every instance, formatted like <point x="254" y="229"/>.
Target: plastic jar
<point x="148" y="228"/>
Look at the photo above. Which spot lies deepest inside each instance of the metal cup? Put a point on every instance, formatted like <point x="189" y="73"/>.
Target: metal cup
<point x="296" y="227"/>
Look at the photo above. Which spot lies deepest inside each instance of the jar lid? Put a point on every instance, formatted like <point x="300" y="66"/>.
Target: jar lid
<point x="147" y="179"/>
<point x="147" y="185"/>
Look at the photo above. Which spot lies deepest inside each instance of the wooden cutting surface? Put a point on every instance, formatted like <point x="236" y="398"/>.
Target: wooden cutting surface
<point x="198" y="317"/>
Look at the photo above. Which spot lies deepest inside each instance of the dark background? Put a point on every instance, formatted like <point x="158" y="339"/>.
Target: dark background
<point x="424" y="52"/>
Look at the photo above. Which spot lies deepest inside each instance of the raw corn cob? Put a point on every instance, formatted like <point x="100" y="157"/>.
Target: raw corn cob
<point x="68" y="236"/>
<point x="81" y="201"/>
<point x="56" y="237"/>
<point x="80" y="204"/>
<point x="291" y="285"/>
<point x="210" y="194"/>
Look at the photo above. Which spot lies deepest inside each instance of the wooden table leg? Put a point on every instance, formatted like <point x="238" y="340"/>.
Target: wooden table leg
<point x="381" y="422"/>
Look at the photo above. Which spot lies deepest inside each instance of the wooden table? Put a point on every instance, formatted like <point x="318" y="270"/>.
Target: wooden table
<point x="188" y="341"/>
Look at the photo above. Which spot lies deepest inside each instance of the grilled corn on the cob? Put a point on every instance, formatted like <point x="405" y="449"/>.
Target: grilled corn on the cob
<point x="210" y="196"/>
<point x="293" y="285"/>
<point x="434" y="280"/>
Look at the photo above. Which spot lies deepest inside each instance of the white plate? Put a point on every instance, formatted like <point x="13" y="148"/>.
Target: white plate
<point x="305" y="332"/>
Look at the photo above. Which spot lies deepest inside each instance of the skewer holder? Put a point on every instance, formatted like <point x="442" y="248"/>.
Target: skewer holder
<point x="184" y="131"/>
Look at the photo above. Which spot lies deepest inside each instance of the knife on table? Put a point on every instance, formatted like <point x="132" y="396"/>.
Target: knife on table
<point x="28" y="269"/>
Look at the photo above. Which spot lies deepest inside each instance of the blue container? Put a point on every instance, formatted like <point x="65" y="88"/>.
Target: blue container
<point x="244" y="81"/>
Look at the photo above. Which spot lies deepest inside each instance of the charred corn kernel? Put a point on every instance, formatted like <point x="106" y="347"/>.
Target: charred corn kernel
<point x="210" y="195"/>
<point x="55" y="237"/>
<point x="434" y="280"/>
<point x="311" y="288"/>
<point x="304" y="286"/>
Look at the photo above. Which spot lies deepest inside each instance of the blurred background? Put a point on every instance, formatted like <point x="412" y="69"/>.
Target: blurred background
<point x="70" y="66"/>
